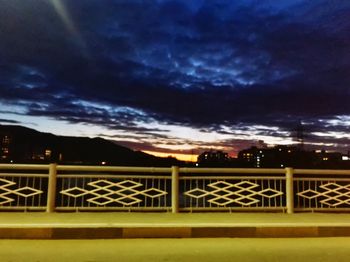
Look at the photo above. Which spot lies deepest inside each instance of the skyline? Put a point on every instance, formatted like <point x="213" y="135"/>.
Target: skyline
<point x="178" y="77"/>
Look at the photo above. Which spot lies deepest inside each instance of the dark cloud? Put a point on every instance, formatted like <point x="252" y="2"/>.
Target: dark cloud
<point x="8" y="121"/>
<point x="193" y="63"/>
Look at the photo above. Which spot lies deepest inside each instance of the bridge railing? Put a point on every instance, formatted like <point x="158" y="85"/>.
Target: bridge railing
<point x="54" y="187"/>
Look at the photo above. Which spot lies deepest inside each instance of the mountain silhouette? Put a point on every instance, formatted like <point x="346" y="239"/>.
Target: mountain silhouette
<point x="30" y="146"/>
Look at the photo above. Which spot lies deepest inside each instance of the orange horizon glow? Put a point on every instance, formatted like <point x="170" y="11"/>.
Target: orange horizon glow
<point x="179" y="156"/>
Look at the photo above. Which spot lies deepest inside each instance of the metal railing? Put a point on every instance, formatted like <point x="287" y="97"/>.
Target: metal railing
<point x="54" y="187"/>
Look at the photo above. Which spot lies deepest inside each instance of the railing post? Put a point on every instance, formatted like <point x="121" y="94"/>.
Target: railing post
<point x="175" y="189"/>
<point x="51" y="189"/>
<point x="289" y="190"/>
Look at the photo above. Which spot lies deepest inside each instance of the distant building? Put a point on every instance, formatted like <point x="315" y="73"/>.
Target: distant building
<point x="41" y="154"/>
<point x="278" y="156"/>
<point x="327" y="159"/>
<point x="213" y="158"/>
<point x="5" y="147"/>
<point x="250" y="156"/>
<point x="291" y="156"/>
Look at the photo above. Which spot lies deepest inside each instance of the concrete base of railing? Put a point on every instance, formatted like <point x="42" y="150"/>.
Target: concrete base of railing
<point x="168" y="225"/>
<point x="173" y="232"/>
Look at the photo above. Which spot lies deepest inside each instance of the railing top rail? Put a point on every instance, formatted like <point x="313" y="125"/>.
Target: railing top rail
<point x="122" y="176"/>
<point x="115" y="169"/>
<point x="24" y="166"/>
<point x="249" y="176"/>
<point x="232" y="170"/>
<point x="321" y="172"/>
<point x="182" y="170"/>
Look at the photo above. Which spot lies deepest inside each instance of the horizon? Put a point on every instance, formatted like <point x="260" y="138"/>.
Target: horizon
<point x="194" y="157"/>
<point x="176" y="77"/>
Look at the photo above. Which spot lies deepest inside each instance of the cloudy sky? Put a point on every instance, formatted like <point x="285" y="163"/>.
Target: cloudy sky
<point x="177" y="77"/>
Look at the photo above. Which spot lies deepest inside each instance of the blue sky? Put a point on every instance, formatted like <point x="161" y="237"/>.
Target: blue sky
<point x="178" y="77"/>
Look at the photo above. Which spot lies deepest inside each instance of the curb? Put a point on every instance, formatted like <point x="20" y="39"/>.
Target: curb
<point x="172" y="232"/>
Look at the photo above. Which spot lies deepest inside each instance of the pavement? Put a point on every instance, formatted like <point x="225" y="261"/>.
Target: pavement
<point x="107" y="237"/>
<point x="115" y="225"/>
<point x="176" y="250"/>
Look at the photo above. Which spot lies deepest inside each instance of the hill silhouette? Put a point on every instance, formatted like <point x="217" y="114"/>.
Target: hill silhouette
<point x="28" y="145"/>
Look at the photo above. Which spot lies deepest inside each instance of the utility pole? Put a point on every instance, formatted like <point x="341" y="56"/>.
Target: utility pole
<point x="300" y="135"/>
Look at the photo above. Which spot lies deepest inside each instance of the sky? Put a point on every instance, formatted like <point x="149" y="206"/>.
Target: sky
<point x="179" y="77"/>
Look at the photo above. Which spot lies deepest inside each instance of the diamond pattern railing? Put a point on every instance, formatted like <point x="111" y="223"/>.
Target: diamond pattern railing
<point x="233" y="193"/>
<point x="124" y="193"/>
<point x="20" y="192"/>
<point x="54" y="188"/>
<point x="327" y="194"/>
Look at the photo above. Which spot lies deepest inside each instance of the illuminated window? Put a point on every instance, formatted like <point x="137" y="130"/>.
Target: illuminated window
<point x="47" y="152"/>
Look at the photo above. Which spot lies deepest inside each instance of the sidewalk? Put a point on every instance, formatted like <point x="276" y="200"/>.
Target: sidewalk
<point x="167" y="225"/>
<point x="178" y="250"/>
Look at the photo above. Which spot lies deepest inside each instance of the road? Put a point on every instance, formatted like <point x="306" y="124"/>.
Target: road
<point x="218" y="250"/>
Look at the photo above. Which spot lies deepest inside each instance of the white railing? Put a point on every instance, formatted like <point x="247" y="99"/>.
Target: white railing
<point x="99" y="188"/>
